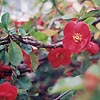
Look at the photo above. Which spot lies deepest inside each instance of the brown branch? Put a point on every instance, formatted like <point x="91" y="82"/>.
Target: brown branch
<point x="31" y="41"/>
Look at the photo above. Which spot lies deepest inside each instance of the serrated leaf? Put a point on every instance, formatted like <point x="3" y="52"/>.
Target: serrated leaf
<point x="97" y="2"/>
<point x="49" y="32"/>
<point x="89" y="20"/>
<point x="35" y="61"/>
<point x="22" y="31"/>
<point x="39" y="36"/>
<point x="24" y="83"/>
<point x="65" y="84"/>
<point x="15" y="54"/>
<point x="5" y="20"/>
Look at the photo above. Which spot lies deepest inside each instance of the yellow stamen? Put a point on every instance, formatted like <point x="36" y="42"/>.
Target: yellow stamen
<point x="77" y="37"/>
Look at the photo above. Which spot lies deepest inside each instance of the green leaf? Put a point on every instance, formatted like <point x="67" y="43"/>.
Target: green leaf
<point x="82" y="11"/>
<point x="68" y="16"/>
<point x="12" y="31"/>
<point x="97" y="2"/>
<point x="50" y="32"/>
<point x="24" y="83"/>
<point x="35" y="62"/>
<point x="22" y="31"/>
<point x="93" y="28"/>
<point x="39" y="36"/>
<point x="89" y="20"/>
<point x="90" y="14"/>
<point x="27" y="48"/>
<point x="4" y="57"/>
<point x="15" y="54"/>
<point x="4" y="20"/>
<point x="94" y="70"/>
<point x="1" y="25"/>
<point x="27" y="26"/>
<point x="65" y="84"/>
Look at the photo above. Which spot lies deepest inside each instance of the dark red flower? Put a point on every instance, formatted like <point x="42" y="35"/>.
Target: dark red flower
<point x="7" y="91"/>
<point x="59" y="56"/>
<point x="93" y="48"/>
<point x="76" y="36"/>
<point x="27" y="59"/>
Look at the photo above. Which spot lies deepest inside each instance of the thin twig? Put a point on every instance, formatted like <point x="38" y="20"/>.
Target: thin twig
<point x="54" y="3"/>
<point x="62" y="95"/>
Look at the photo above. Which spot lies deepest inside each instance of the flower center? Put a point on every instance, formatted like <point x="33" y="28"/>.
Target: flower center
<point x="60" y="56"/>
<point x="77" y="37"/>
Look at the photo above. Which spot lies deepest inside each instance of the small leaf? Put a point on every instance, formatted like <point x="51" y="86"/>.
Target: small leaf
<point x="89" y="20"/>
<point x="98" y="26"/>
<point x="4" y="20"/>
<point x="27" y="26"/>
<point x="97" y="2"/>
<point x="93" y="28"/>
<point x="91" y="13"/>
<point x="82" y="11"/>
<point x="35" y="61"/>
<point x="1" y="25"/>
<point x="22" y="31"/>
<point x="27" y="48"/>
<point x="39" y="36"/>
<point x="68" y="16"/>
<point x="97" y="35"/>
<point x="24" y="83"/>
<point x="70" y="83"/>
<point x="89" y="3"/>
<point x="15" y="54"/>
<point x="4" y="57"/>
<point x="49" y="32"/>
<point x="94" y="69"/>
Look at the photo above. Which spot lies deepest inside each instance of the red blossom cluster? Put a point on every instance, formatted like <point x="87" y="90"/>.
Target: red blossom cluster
<point x="77" y="37"/>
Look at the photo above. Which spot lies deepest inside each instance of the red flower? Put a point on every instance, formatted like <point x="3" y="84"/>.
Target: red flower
<point x="40" y="22"/>
<point x="7" y="91"/>
<point x="93" y="48"/>
<point x="18" y="23"/>
<point x="4" y="69"/>
<point x="59" y="56"/>
<point x="76" y="36"/>
<point x="27" y="59"/>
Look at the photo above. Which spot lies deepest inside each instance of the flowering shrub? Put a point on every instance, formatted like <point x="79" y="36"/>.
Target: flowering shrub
<point x="53" y="56"/>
